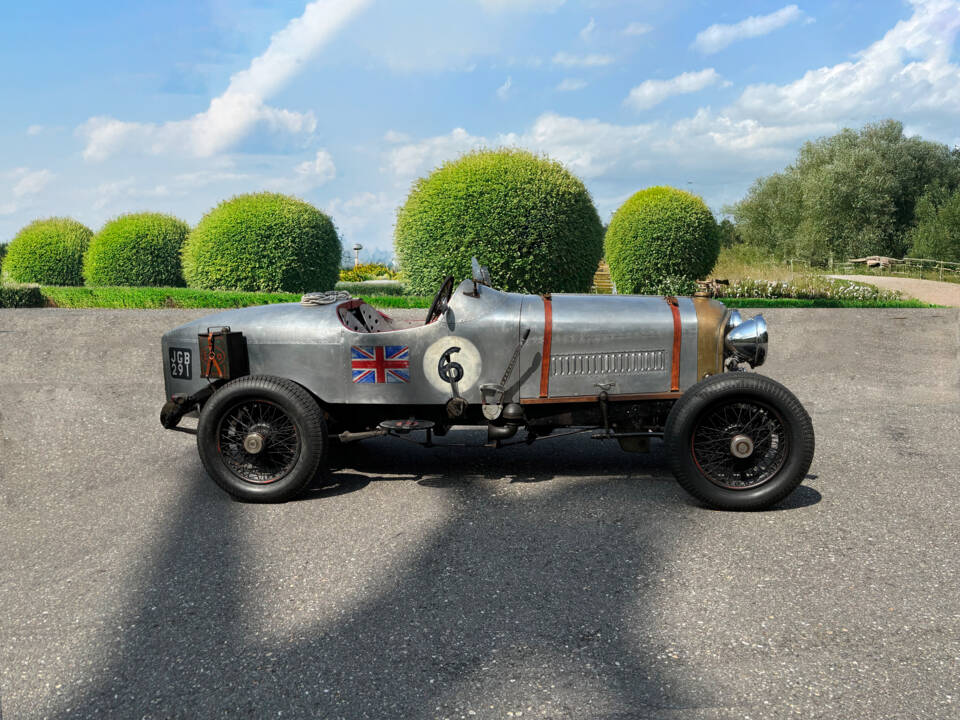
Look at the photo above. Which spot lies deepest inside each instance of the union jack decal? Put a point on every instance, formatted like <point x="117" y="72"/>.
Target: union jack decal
<point x="380" y="364"/>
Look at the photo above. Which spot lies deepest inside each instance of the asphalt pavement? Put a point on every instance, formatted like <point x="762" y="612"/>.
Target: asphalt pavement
<point x="562" y="580"/>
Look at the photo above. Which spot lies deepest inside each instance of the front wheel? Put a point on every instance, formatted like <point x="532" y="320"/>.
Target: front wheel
<point x="739" y="441"/>
<point x="262" y="438"/>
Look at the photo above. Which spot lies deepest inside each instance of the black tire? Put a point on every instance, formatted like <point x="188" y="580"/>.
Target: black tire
<point x="699" y="438"/>
<point x="282" y="419"/>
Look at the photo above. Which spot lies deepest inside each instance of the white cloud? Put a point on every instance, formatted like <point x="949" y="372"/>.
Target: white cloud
<point x="307" y="175"/>
<point x="520" y="5"/>
<point x="588" y="29"/>
<point x="616" y="160"/>
<point x="202" y="178"/>
<point x="229" y="119"/>
<point x="320" y="170"/>
<point x="241" y="108"/>
<point x="366" y="212"/>
<point x="906" y="74"/>
<point x="723" y="133"/>
<point x="588" y="147"/>
<point x="34" y="129"/>
<point x="592" y="60"/>
<point x="108" y="193"/>
<point x="653" y="92"/>
<point x="571" y="84"/>
<point x="717" y="37"/>
<point x="407" y="161"/>
<point x="19" y="186"/>
<point x="637" y="28"/>
<point x="393" y="137"/>
<point x="30" y="182"/>
<point x="503" y="92"/>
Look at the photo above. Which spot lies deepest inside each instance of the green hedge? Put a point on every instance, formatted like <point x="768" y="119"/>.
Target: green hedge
<point x="661" y="237"/>
<point x="524" y="216"/>
<point x="141" y="249"/>
<point x="48" y="252"/>
<point x="265" y="242"/>
<point x="21" y="296"/>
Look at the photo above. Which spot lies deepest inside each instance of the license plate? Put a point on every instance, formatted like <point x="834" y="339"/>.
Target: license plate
<point x="181" y="363"/>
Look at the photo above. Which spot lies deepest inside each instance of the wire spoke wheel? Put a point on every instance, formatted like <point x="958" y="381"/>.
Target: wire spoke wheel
<point x="739" y="444"/>
<point x="262" y="438"/>
<point x="739" y="441"/>
<point x="258" y="441"/>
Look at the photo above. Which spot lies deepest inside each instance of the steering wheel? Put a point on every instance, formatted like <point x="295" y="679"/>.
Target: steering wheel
<point x="440" y="301"/>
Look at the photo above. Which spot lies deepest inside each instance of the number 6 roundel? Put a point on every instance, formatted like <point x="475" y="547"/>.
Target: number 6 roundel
<point x="451" y="358"/>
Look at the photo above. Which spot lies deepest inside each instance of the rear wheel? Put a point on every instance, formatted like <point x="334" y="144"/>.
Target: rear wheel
<point x="739" y="441"/>
<point x="262" y="438"/>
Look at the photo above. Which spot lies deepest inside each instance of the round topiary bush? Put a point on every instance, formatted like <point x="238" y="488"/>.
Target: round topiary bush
<point x="138" y="249"/>
<point x="526" y="217"/>
<point x="266" y="242"/>
<point x="48" y="252"/>
<point x="660" y="239"/>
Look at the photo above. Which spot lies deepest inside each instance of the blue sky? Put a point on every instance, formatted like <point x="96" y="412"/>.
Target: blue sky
<point x="114" y="107"/>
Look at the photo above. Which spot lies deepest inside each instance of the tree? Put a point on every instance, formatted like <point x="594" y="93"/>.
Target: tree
<point x="526" y="217"/>
<point x="264" y="242"/>
<point x="854" y="193"/>
<point x="137" y="249"/>
<point x="937" y="234"/>
<point x="660" y="241"/>
<point x="729" y="234"/>
<point x="48" y="252"/>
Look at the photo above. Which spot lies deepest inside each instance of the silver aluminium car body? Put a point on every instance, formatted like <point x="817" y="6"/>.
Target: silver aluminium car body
<point x="283" y="389"/>
<point x="628" y="346"/>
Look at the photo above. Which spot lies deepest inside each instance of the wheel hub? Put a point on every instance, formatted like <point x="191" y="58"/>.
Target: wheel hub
<point x="741" y="446"/>
<point x="258" y="441"/>
<point x="254" y="443"/>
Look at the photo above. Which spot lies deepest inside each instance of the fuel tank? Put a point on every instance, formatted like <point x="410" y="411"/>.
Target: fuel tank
<point x="621" y="344"/>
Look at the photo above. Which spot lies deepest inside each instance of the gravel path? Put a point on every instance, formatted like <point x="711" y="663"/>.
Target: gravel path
<point x="929" y="291"/>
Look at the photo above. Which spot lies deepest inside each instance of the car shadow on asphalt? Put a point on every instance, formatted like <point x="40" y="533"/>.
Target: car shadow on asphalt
<point x="547" y="604"/>
<point x="389" y="460"/>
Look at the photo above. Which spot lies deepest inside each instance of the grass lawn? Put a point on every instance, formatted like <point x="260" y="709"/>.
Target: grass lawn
<point x="820" y="303"/>
<point x="741" y="262"/>
<point x="160" y="298"/>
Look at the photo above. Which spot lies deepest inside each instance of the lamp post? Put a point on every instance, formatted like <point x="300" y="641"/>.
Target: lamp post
<point x="357" y="247"/>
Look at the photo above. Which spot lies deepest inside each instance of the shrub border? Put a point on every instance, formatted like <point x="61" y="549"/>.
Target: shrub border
<point x="146" y="298"/>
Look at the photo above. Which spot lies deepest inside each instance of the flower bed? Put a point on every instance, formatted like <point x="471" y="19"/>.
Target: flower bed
<point x="810" y="287"/>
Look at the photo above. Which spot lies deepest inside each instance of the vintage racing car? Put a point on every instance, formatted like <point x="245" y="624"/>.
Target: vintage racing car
<point x="279" y="388"/>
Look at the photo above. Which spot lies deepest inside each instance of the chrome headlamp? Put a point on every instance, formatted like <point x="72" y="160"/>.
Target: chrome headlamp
<point x="746" y="341"/>
<point x="734" y="318"/>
